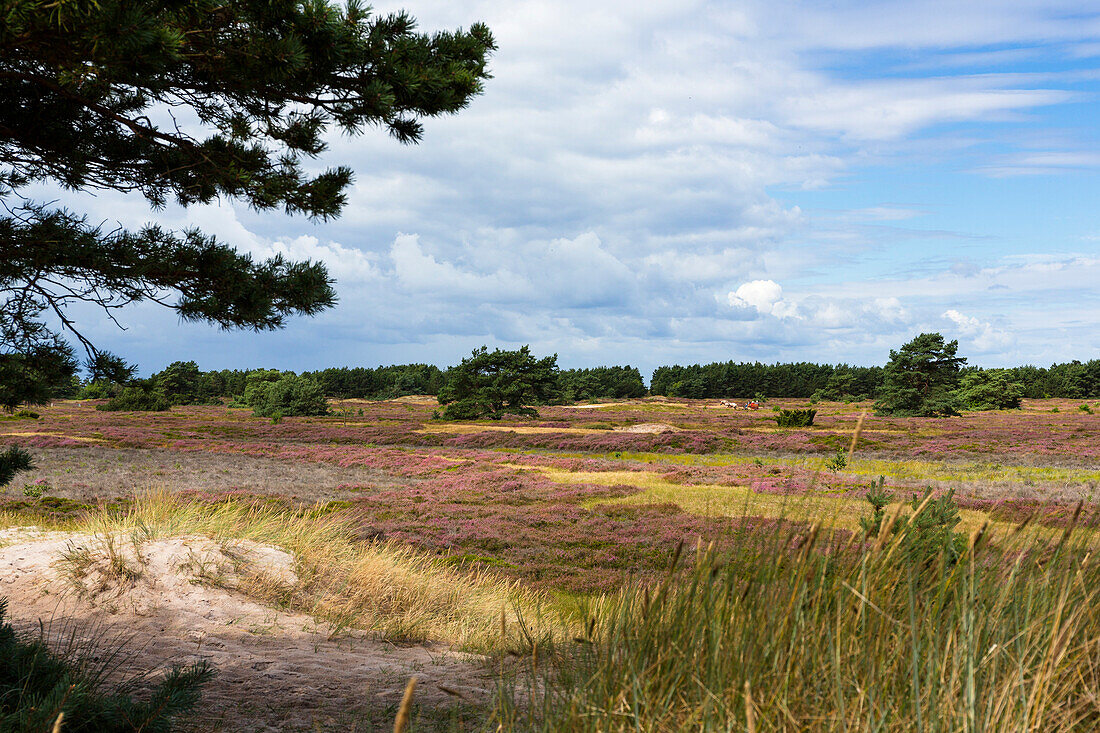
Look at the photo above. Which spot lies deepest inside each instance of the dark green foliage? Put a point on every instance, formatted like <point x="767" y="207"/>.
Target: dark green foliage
<point x="36" y="685"/>
<point x="33" y="367"/>
<point x="26" y="415"/>
<point x="491" y="384"/>
<point x="85" y="86"/>
<point x="383" y="383"/>
<point x="588" y="384"/>
<point x="989" y="389"/>
<point x="730" y="379"/>
<point x="184" y="384"/>
<point x="926" y="534"/>
<point x="795" y="418"/>
<point x="14" y="460"/>
<point x="920" y="379"/>
<point x="137" y="398"/>
<point x="287" y="395"/>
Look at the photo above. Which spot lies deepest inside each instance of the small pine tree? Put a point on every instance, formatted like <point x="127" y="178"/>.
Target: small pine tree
<point x="492" y="384"/>
<point x="920" y="379"/>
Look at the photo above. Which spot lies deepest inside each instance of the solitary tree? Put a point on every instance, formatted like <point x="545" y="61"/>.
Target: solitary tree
<point x="190" y="100"/>
<point x="920" y="377"/>
<point x="494" y="383"/>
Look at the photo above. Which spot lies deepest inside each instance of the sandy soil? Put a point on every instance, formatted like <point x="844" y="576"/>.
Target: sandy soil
<point x="650" y="427"/>
<point x="277" y="671"/>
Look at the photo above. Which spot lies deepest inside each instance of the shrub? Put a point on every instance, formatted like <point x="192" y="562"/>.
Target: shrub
<point x="989" y="390"/>
<point x="837" y="462"/>
<point x="795" y="418"/>
<point x="36" y="686"/>
<point x="927" y="533"/>
<point x="137" y="399"/>
<point x="288" y="396"/>
<point x="97" y="391"/>
<point x="26" y="415"/>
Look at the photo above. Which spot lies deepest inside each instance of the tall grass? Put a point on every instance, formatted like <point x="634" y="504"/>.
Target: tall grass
<point x="384" y="588"/>
<point x="793" y="636"/>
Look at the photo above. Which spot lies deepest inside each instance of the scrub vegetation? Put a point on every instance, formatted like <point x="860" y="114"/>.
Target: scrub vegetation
<point x="646" y="563"/>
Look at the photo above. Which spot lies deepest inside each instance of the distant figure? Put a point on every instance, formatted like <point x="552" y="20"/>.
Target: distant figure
<point x="727" y="403"/>
<point x="754" y="405"/>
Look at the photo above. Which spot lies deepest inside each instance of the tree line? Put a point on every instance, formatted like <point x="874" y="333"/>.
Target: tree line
<point x="184" y="383"/>
<point x="1073" y="380"/>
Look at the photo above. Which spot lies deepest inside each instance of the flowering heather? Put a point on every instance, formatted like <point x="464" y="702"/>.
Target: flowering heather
<point x="476" y="496"/>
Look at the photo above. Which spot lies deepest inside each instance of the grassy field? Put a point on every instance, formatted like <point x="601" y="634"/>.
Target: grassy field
<point x="646" y="565"/>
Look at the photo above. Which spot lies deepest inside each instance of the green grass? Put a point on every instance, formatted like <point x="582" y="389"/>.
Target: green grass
<point x="791" y="636"/>
<point x="900" y="469"/>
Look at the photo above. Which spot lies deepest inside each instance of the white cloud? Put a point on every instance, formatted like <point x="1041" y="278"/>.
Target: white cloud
<point x="981" y="334"/>
<point x="766" y="296"/>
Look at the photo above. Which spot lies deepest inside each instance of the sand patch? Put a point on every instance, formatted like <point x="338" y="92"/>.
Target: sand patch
<point x="649" y="427"/>
<point x="179" y="600"/>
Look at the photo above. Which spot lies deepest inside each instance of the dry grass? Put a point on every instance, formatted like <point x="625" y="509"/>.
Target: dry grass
<point x="383" y="588"/>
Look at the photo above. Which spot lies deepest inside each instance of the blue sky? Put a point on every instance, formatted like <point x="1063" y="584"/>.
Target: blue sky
<point x="674" y="182"/>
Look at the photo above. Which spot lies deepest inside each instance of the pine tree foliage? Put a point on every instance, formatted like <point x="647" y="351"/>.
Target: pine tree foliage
<point x="920" y="379"/>
<point x="36" y="685"/>
<point x="191" y="101"/>
<point x="12" y="461"/>
<point x="494" y="383"/>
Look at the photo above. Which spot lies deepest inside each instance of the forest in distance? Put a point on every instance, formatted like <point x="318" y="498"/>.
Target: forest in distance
<point x="730" y="379"/>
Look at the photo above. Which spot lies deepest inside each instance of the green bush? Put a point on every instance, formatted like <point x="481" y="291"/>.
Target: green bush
<point x="37" y="685"/>
<point x="137" y="398"/>
<point x="989" y="389"/>
<point x="287" y="396"/>
<point x="26" y="415"/>
<point x="837" y="462"/>
<point x="795" y="418"/>
<point x="927" y="533"/>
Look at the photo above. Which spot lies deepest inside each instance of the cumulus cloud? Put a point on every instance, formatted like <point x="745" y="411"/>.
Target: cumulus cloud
<point x="981" y="334"/>
<point x="638" y="179"/>
<point x="766" y="296"/>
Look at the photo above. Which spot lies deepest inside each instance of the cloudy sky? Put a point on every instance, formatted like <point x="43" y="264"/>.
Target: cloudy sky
<point x="675" y="182"/>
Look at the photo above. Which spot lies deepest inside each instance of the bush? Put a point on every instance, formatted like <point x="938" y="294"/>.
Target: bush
<point x="795" y="418"/>
<point x="97" y="391"/>
<point x="26" y="415"/>
<point x="36" y="686"/>
<point x="926" y="534"/>
<point x="288" y="396"/>
<point x="137" y="398"/>
<point x="989" y="390"/>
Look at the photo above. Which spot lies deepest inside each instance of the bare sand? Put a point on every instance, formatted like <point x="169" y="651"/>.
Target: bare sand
<point x="276" y="670"/>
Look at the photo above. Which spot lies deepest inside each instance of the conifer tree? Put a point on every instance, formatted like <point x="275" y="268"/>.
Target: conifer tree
<point x="920" y="379"/>
<point x="191" y="101"/>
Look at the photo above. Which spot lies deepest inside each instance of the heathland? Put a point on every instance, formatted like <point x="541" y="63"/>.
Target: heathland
<point x="643" y="564"/>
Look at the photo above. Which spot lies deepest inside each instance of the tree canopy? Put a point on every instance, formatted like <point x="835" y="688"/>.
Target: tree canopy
<point x="920" y="378"/>
<point x="494" y="383"/>
<point x="190" y="101"/>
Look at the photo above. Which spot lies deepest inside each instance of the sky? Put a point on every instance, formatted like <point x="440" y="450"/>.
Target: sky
<point x="684" y="182"/>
